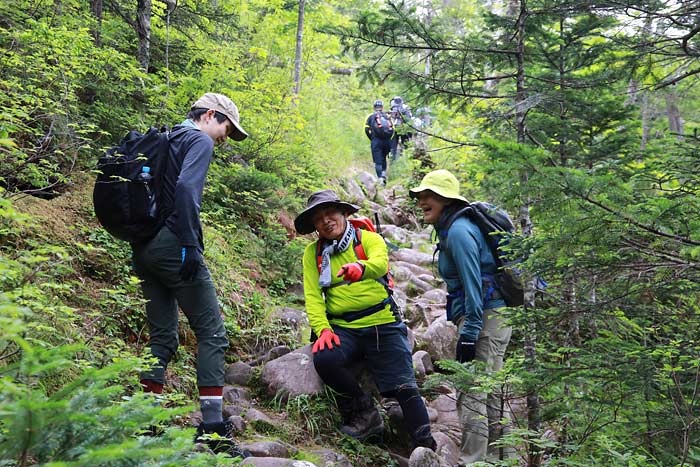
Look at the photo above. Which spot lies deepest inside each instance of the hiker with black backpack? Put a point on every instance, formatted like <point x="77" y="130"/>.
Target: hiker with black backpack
<point x="470" y="268"/>
<point x="380" y="131"/>
<point x="172" y="269"/>
<point x="348" y="293"/>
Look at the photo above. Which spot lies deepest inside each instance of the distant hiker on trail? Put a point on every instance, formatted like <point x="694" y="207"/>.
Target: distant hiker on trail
<point x="350" y="309"/>
<point x="401" y="118"/>
<point x="465" y="260"/>
<point x="172" y="269"/>
<point x="380" y="131"/>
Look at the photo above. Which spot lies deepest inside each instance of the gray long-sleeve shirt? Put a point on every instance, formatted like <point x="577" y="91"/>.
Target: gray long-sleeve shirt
<point x="190" y="154"/>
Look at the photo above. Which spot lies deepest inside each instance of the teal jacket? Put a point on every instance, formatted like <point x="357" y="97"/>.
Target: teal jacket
<point x="464" y="256"/>
<point x="352" y="297"/>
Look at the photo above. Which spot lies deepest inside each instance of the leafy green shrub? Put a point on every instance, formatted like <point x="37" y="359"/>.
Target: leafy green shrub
<point x="242" y="195"/>
<point x="93" y="420"/>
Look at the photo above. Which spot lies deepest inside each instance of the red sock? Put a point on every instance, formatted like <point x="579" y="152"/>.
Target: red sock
<point x="152" y="386"/>
<point x="209" y="391"/>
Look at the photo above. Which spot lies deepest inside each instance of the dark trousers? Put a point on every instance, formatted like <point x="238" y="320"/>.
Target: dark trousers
<point x="157" y="263"/>
<point x="380" y="149"/>
<point x="385" y="350"/>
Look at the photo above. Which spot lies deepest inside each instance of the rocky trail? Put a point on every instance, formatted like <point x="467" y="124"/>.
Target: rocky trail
<point x="286" y="374"/>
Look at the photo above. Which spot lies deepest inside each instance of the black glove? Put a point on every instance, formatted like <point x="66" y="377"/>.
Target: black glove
<point x="466" y="350"/>
<point x="191" y="260"/>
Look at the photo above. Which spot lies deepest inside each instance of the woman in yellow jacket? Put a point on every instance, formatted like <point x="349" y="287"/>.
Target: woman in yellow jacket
<point x="350" y="310"/>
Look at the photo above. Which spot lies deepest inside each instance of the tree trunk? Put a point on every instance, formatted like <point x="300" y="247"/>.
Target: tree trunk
<point x="646" y="118"/>
<point x="143" y="30"/>
<point x="675" y="122"/>
<point x="429" y="13"/>
<point x="97" y="7"/>
<point x="533" y="403"/>
<point x="646" y="113"/>
<point x="297" y="57"/>
<point x="562" y="106"/>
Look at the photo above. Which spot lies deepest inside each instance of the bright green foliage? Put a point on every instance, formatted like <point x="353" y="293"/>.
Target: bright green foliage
<point x="88" y="421"/>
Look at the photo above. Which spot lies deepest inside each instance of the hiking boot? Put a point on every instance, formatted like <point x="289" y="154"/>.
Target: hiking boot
<point x="346" y="407"/>
<point x="366" y="423"/>
<point x="221" y="444"/>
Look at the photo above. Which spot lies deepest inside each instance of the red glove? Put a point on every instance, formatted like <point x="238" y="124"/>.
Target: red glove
<point x="326" y="339"/>
<point x="351" y="272"/>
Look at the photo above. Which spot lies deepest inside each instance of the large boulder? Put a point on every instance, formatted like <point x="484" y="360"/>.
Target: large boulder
<point x="440" y="339"/>
<point x="275" y="462"/>
<point x="424" y="457"/>
<point x="422" y="364"/>
<point x="412" y="257"/>
<point x="292" y="375"/>
<point x="447" y="449"/>
<point x="238" y="373"/>
<point x="269" y="449"/>
<point x="447" y="420"/>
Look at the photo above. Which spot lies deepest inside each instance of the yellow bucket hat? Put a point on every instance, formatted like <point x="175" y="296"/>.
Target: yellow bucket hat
<point x="441" y="182"/>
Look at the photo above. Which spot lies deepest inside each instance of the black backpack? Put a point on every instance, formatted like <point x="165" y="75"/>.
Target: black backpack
<point x="496" y="226"/>
<point x="381" y="125"/>
<point x="125" y="203"/>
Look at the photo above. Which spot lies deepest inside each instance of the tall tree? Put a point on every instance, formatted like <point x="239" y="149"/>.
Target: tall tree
<point x="97" y="9"/>
<point x="144" y="9"/>
<point x="298" y="50"/>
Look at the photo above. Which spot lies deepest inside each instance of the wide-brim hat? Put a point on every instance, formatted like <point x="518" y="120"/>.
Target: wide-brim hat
<point x="304" y="221"/>
<point x="441" y="182"/>
<point x="224" y="105"/>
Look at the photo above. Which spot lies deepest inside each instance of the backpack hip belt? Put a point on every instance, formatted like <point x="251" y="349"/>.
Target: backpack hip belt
<point x="490" y="291"/>
<point x="355" y="315"/>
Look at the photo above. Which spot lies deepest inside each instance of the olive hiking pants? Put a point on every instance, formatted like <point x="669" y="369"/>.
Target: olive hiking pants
<point x="157" y="263"/>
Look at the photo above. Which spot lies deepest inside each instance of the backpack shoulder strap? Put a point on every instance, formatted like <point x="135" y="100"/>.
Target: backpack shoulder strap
<point x="319" y="257"/>
<point x="442" y="232"/>
<point x="357" y="245"/>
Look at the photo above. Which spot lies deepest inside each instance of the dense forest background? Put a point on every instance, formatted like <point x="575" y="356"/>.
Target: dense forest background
<point x="579" y="117"/>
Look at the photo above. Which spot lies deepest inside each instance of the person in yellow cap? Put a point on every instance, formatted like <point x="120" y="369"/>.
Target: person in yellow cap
<point x="467" y="266"/>
<point x="172" y="269"/>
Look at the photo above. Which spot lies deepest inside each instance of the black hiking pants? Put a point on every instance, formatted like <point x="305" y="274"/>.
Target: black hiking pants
<point x="380" y="149"/>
